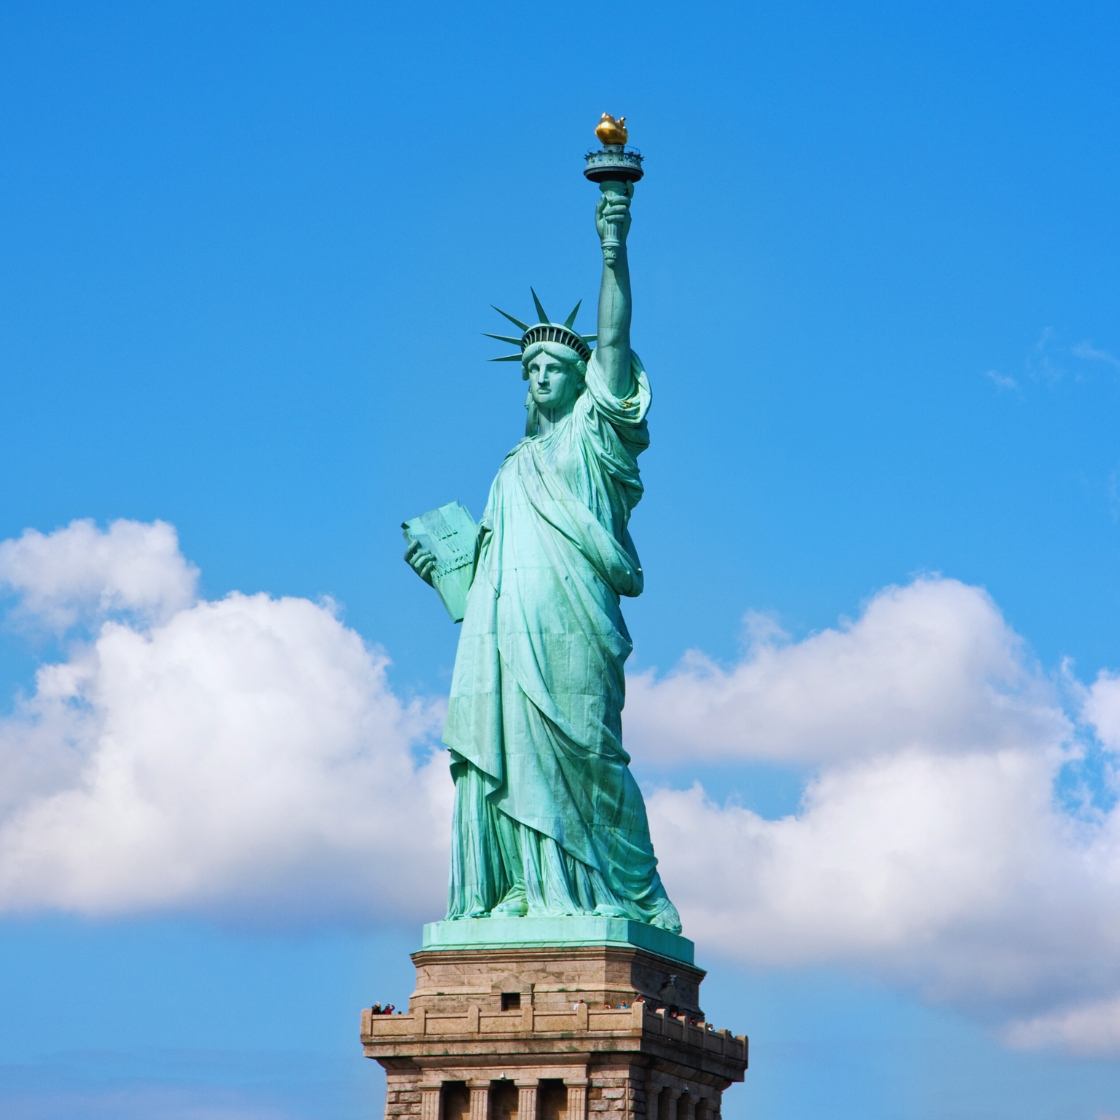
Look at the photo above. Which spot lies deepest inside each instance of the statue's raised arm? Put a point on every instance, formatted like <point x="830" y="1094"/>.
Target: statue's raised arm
<point x="612" y="220"/>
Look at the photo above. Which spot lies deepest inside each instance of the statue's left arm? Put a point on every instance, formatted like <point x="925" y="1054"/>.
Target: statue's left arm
<point x="612" y="220"/>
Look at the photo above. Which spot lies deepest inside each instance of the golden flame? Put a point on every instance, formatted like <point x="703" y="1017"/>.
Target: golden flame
<point x="611" y="131"/>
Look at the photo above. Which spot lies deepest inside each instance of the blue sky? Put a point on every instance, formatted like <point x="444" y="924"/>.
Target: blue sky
<point x="248" y="254"/>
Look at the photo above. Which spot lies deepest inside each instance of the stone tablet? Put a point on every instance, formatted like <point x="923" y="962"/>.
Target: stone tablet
<point x="449" y="534"/>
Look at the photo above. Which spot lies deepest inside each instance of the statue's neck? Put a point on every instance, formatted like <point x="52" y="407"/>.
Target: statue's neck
<point x="548" y="418"/>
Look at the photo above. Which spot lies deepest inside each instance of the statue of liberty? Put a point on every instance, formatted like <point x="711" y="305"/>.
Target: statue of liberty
<point x="548" y="819"/>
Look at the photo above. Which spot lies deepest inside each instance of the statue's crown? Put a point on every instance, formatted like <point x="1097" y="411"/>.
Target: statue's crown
<point x="544" y="331"/>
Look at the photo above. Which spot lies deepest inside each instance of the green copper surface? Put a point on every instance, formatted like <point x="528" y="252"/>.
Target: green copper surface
<point x="549" y="824"/>
<point x="513" y="933"/>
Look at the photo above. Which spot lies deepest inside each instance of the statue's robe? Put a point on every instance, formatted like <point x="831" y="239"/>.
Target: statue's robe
<point x="546" y="808"/>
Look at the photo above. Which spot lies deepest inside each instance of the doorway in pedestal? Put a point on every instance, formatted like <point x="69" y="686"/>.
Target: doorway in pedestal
<point x="503" y="1100"/>
<point x="456" y="1100"/>
<point x="553" y="1100"/>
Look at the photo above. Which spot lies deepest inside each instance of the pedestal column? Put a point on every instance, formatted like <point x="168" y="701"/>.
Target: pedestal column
<point x="430" y="1102"/>
<point x="480" y="1100"/>
<point x="528" y="1099"/>
<point x="577" y="1095"/>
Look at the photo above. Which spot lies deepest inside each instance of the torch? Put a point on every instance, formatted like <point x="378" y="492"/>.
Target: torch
<point x="612" y="168"/>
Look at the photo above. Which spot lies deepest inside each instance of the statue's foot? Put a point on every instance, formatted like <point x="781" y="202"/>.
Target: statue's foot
<point x="605" y="910"/>
<point x="472" y="914"/>
<point x="514" y="905"/>
<point x="667" y="917"/>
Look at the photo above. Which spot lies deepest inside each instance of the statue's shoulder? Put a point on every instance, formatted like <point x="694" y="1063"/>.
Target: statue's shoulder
<point x="625" y="413"/>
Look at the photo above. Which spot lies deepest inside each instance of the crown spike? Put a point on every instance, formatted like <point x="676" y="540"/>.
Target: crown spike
<point x="571" y="319"/>
<point x="540" y="310"/>
<point x="503" y="338"/>
<point x="516" y="322"/>
<point x="507" y="358"/>
<point x="589" y="337"/>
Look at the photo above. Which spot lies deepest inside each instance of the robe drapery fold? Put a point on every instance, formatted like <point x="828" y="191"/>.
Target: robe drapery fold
<point x="546" y="807"/>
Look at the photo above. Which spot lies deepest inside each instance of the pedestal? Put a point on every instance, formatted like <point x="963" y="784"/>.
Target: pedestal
<point x="573" y="1021"/>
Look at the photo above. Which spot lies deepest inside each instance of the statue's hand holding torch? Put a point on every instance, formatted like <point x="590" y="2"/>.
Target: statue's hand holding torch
<point x="612" y="217"/>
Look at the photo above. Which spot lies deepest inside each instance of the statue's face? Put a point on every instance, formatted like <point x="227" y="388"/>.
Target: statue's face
<point x="553" y="383"/>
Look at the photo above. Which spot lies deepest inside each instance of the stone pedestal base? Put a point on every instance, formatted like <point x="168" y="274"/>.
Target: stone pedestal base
<point x="553" y="1032"/>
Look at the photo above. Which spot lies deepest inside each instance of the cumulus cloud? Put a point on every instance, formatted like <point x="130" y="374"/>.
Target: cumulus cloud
<point x="245" y="755"/>
<point x="248" y="756"/>
<point x="930" y="665"/>
<point x="1091" y="1029"/>
<point x="1101" y="708"/>
<point x="951" y="874"/>
<point x="81" y="572"/>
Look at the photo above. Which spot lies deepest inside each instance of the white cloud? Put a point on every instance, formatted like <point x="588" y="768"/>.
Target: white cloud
<point x="953" y="874"/>
<point x="1042" y="362"/>
<point x="80" y="572"/>
<point x="930" y="665"/>
<point x="1101" y="708"/>
<point x="1089" y="1029"/>
<point x="1091" y="353"/>
<point x="242" y="755"/>
<point x="1001" y="380"/>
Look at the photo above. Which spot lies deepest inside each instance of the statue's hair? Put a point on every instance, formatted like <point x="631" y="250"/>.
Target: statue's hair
<point x="555" y="350"/>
